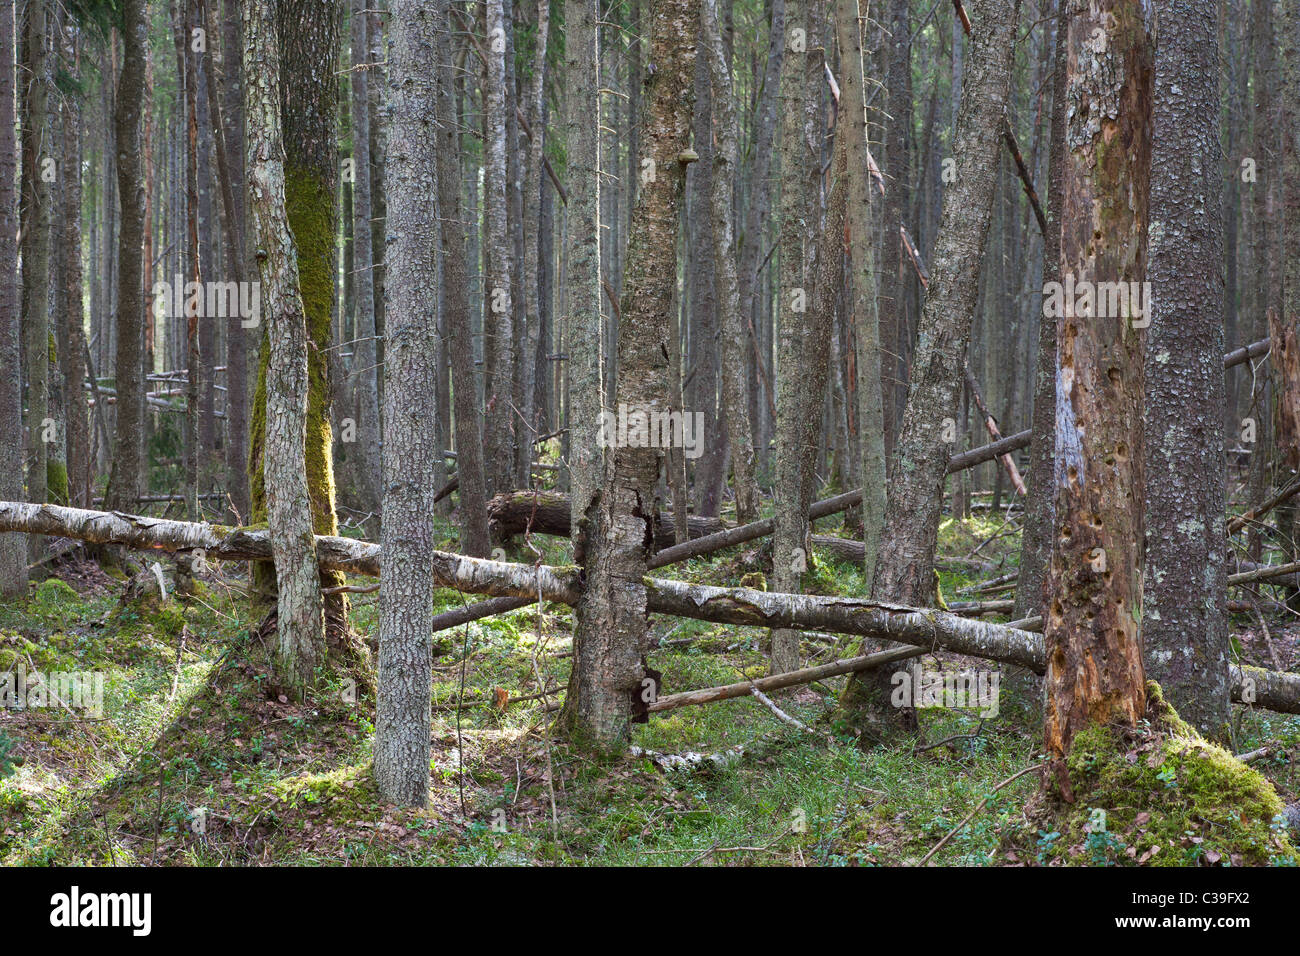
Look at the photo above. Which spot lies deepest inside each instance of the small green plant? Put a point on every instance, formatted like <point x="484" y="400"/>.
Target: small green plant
<point x="7" y="746"/>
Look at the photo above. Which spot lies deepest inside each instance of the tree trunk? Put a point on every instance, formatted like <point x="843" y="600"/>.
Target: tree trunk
<point x="1184" y="620"/>
<point x="905" y="565"/>
<point x="583" y="327"/>
<point x="72" y="333"/>
<point x="918" y="627"/>
<point x="530" y="408"/>
<point x="862" y="293"/>
<point x="609" y="639"/>
<point x="126" y="479"/>
<point x="13" y="548"/>
<point x="288" y="504"/>
<point x="38" y="160"/>
<point x="1092" y="629"/>
<point x="365" y="361"/>
<point x="410" y="450"/>
<point x="455" y="290"/>
<point x="798" y="398"/>
<point x="735" y="382"/>
<point x="498" y="312"/>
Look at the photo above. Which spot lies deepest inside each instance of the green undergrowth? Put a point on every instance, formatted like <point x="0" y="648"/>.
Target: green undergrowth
<point x="1164" y="794"/>
<point x="205" y="764"/>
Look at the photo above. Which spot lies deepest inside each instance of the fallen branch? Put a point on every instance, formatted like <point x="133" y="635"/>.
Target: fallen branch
<point x="919" y="627"/>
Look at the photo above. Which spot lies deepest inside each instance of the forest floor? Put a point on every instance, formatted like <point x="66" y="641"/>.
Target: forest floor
<point x="195" y="762"/>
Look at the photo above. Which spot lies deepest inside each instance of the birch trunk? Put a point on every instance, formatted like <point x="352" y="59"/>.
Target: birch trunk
<point x="498" y="312"/>
<point x="918" y="627"/>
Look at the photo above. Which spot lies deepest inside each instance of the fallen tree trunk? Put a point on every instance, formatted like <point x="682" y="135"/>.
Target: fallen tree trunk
<point x="919" y="627"/>
<point x="805" y="675"/>
<point x="547" y="512"/>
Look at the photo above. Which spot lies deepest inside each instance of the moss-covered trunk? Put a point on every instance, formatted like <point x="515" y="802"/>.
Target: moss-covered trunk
<point x="309" y="34"/>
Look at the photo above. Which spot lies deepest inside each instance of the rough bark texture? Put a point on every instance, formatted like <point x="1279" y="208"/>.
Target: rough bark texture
<point x="865" y="318"/>
<point x="36" y="221"/>
<point x="365" y="361"/>
<point x="126" y="478"/>
<point x="532" y="203"/>
<point x="13" y="548"/>
<point x="410" y="406"/>
<point x="498" y="311"/>
<point x="72" y="333"/>
<point x="288" y="505"/>
<point x="800" y="324"/>
<point x="609" y="639"/>
<point x="455" y="288"/>
<point x="735" y="381"/>
<point x="308" y="34"/>
<point x="582" y="329"/>
<point x="1094" y="609"/>
<point x="905" y="567"/>
<point x="1184" y="620"/>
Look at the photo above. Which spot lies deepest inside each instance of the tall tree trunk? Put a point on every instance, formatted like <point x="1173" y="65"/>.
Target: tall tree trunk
<point x="799" y="392"/>
<point x="726" y="169"/>
<point x="38" y="160"/>
<point x="898" y="111"/>
<point x="582" y="324"/>
<point x="1184" y="620"/>
<point x="1092" y="628"/>
<point x="287" y="496"/>
<point x="610" y="640"/>
<point x="13" y="547"/>
<point x="905" y="565"/>
<point x="126" y="479"/>
<point x="527" y="363"/>
<point x="365" y="372"/>
<point x="72" y="333"/>
<point x="498" y="314"/>
<point x="308" y="34"/>
<point x="418" y="43"/>
<point x="862" y="292"/>
<point x="1037" y="536"/>
<point x="228" y="128"/>
<point x="455" y="287"/>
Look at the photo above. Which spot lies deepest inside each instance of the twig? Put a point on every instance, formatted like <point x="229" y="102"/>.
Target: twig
<point x="951" y="833"/>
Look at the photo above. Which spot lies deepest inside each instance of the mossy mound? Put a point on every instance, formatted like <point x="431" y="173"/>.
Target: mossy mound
<point x="1164" y="795"/>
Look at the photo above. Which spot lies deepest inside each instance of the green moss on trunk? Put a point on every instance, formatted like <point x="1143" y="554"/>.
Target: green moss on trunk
<point x="1166" y="796"/>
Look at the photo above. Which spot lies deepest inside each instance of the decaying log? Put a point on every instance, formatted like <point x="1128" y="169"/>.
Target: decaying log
<point x="547" y="512"/>
<point x="919" y="627"/>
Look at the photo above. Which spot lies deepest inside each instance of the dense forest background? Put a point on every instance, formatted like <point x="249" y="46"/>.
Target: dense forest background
<point x="897" y="388"/>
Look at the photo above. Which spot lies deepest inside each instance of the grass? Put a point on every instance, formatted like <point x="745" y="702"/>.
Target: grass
<point x="222" y="772"/>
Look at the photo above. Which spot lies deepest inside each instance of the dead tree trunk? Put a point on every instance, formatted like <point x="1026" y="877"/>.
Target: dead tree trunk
<point x="609" y="638"/>
<point x="1092" y="628"/>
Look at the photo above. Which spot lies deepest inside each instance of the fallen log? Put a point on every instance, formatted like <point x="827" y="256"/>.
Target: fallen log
<point x="805" y="675"/>
<point x="547" y="512"/>
<point x="919" y="627"/>
<point x="1246" y="353"/>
